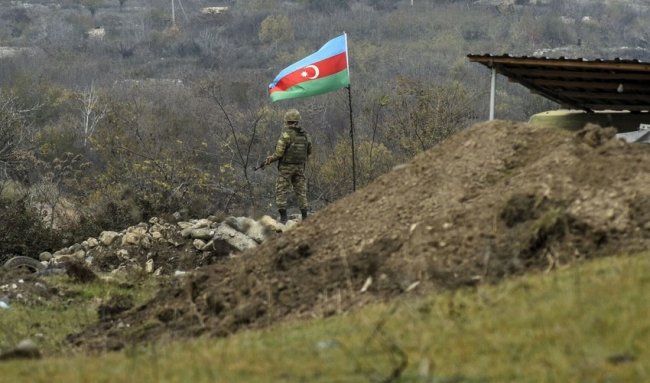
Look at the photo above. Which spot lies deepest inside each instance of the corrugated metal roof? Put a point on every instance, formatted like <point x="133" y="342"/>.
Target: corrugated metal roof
<point x="578" y="83"/>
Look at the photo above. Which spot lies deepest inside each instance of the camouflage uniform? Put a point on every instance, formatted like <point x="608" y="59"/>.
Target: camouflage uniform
<point x="291" y="175"/>
<point x="291" y="152"/>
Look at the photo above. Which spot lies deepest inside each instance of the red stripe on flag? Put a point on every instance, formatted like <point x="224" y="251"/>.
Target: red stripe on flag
<point x="327" y="67"/>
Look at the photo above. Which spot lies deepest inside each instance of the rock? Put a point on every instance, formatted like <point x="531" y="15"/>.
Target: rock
<point x="145" y="242"/>
<point x="134" y="235"/>
<point x="148" y="267"/>
<point x="27" y="345"/>
<point x="238" y="223"/>
<point x="248" y="226"/>
<point x="92" y="243"/>
<point x="256" y="231"/>
<point x="58" y="260"/>
<point x="215" y="218"/>
<point x="79" y="254"/>
<point x="202" y="233"/>
<point x="184" y="225"/>
<point x="107" y="237"/>
<point x="123" y="254"/>
<point x="52" y="271"/>
<point x="271" y="224"/>
<point x="235" y="234"/>
<point x="290" y="223"/>
<point x="26" y="349"/>
<point x="156" y="227"/>
<point x="239" y="241"/>
<point x="201" y="223"/>
<point x="45" y="256"/>
<point x="60" y="253"/>
<point x="198" y="244"/>
<point x="219" y="246"/>
<point x="194" y="224"/>
<point x="185" y="233"/>
<point x="127" y="268"/>
<point x="74" y="248"/>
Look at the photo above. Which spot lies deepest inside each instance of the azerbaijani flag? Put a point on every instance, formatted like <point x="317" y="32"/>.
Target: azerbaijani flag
<point x="321" y="72"/>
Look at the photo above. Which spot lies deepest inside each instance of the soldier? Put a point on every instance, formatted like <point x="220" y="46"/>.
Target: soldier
<point x="291" y="152"/>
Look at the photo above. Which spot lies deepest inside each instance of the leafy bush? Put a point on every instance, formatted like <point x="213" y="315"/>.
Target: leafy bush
<point x="22" y="230"/>
<point x="276" y="29"/>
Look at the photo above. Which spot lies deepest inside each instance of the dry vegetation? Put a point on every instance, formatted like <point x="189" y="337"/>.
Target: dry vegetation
<point x="160" y="118"/>
<point x="149" y="119"/>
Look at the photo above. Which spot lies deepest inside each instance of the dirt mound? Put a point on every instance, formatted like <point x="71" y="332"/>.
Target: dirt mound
<point x="495" y="200"/>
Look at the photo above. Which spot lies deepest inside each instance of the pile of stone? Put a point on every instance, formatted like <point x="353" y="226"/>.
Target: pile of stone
<point x="161" y="247"/>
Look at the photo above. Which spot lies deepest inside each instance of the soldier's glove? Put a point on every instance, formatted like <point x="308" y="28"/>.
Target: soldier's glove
<point x="268" y="160"/>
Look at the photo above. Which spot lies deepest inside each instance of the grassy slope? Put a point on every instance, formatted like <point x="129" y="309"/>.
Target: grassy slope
<point x="49" y="323"/>
<point x="588" y="323"/>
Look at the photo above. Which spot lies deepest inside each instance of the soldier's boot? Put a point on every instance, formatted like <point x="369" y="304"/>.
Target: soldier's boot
<point x="283" y="215"/>
<point x="304" y="214"/>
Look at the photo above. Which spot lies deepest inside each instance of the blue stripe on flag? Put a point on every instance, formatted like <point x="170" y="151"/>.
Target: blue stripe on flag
<point x="331" y="48"/>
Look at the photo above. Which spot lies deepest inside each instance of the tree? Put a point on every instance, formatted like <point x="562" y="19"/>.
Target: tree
<point x="242" y="143"/>
<point x="153" y="157"/>
<point x="15" y="134"/>
<point x="276" y="29"/>
<point x="423" y="115"/>
<point x="91" y="112"/>
<point x="92" y="6"/>
<point x="327" y="5"/>
<point x="333" y="179"/>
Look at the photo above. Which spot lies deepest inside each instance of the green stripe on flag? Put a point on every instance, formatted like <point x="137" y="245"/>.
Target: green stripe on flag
<point x="314" y="87"/>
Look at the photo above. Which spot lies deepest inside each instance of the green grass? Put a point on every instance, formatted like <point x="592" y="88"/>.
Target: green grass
<point x="48" y="322"/>
<point x="587" y="323"/>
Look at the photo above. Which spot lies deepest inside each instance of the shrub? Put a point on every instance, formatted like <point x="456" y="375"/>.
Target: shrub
<point x="276" y="29"/>
<point x="333" y="179"/>
<point x="23" y="232"/>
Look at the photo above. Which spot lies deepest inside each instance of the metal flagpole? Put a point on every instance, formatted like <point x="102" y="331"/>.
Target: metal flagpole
<point x="354" y="163"/>
<point x="493" y="88"/>
<point x="173" y="14"/>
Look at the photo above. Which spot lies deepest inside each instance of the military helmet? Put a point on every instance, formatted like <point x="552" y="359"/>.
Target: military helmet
<point x="292" y="115"/>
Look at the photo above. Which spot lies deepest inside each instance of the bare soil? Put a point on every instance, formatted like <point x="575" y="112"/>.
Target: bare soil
<point x="496" y="200"/>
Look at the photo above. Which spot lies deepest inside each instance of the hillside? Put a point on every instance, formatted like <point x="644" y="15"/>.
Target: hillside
<point x="114" y="112"/>
<point x="496" y="200"/>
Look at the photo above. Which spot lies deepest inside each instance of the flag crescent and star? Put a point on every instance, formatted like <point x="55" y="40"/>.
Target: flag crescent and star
<point x="306" y="74"/>
<point x="323" y="71"/>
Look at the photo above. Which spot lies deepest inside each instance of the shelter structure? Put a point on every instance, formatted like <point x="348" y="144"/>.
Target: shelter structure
<point x="587" y="85"/>
<point x="607" y="92"/>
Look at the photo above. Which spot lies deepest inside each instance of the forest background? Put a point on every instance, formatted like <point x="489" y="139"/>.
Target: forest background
<point x="114" y="111"/>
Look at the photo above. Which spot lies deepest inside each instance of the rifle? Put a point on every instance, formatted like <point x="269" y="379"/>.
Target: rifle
<point x="261" y="165"/>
